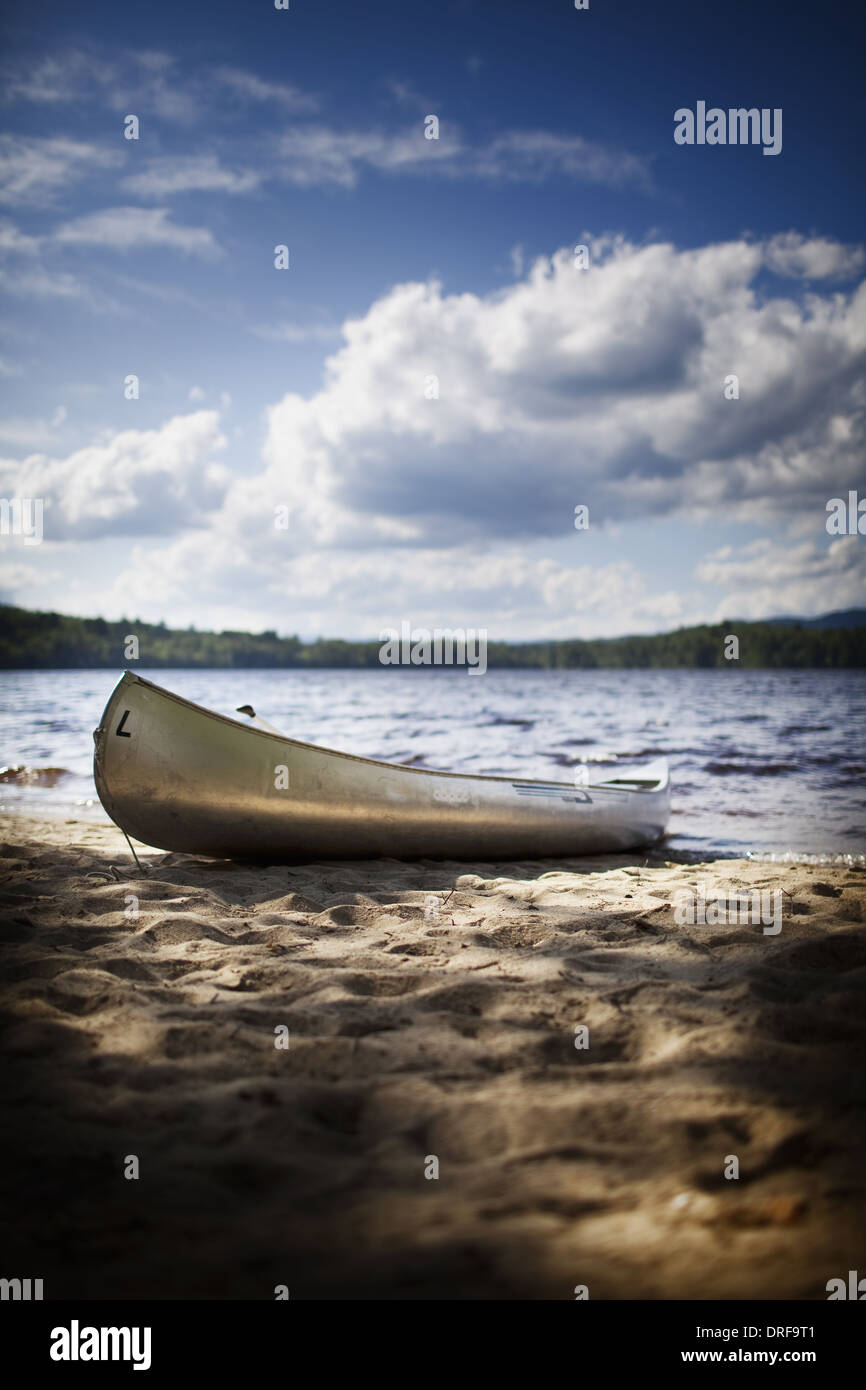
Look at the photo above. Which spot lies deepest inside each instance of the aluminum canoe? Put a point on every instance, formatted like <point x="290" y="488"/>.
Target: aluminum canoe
<point x="177" y="776"/>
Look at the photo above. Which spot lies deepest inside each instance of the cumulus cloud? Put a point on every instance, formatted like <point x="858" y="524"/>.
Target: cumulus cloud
<point x="138" y="482"/>
<point x="813" y="258"/>
<point x="604" y="386"/>
<point x="454" y="434"/>
<point x="362" y="593"/>
<point x="768" y="578"/>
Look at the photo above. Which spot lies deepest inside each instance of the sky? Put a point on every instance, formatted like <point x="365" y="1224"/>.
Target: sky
<point x="400" y="423"/>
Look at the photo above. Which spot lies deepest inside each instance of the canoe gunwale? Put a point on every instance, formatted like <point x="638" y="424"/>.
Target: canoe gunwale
<point x="133" y="678"/>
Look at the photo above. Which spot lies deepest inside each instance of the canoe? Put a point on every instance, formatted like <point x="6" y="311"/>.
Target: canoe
<point x="180" y="777"/>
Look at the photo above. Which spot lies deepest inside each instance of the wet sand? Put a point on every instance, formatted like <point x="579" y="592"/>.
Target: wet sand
<point x="431" y="1011"/>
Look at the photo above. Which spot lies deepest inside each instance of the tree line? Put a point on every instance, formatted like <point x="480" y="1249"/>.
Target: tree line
<point x="52" y="641"/>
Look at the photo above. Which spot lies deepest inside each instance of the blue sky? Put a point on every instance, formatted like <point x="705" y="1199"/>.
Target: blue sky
<point x="308" y="388"/>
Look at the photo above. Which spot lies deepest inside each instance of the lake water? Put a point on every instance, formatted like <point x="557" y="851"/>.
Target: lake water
<point x="767" y="762"/>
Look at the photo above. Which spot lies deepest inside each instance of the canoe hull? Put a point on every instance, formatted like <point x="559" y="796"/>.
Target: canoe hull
<point x="179" y="777"/>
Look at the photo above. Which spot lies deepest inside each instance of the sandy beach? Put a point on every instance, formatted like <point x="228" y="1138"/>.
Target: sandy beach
<point x="431" y="1011"/>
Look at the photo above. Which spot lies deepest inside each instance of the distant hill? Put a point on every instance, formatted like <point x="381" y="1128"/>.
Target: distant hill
<point x="846" y="617"/>
<point x="51" y="641"/>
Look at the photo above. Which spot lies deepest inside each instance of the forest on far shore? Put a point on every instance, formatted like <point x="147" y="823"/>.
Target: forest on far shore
<point x="51" y="641"/>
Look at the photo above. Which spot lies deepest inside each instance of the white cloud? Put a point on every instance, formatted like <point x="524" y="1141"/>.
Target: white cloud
<point x="318" y="154"/>
<point x="151" y="84"/>
<point x="46" y="284"/>
<point x="54" y="78"/>
<point x="154" y="86"/>
<point x="138" y="482"/>
<point x="767" y="578"/>
<point x="508" y="592"/>
<point x="14" y="242"/>
<point x="145" y="82"/>
<point x="534" y="155"/>
<point x="137" y="82"/>
<point x="122" y="228"/>
<point x="33" y="168"/>
<point x="189" y="174"/>
<point x="603" y="386"/>
<point x="248" y="87"/>
<point x="813" y="258"/>
<point x="311" y="155"/>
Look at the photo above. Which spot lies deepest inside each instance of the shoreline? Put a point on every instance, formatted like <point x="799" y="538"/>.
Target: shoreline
<point x="30" y="820"/>
<point x="431" y="1012"/>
